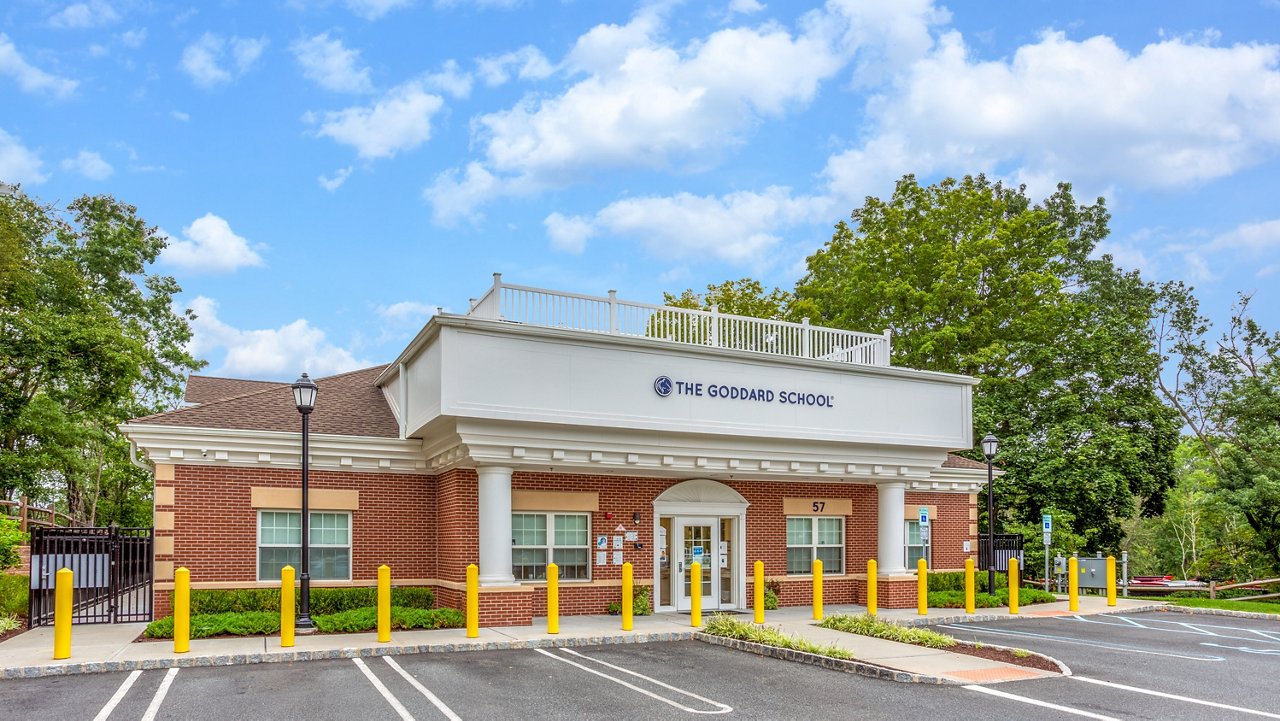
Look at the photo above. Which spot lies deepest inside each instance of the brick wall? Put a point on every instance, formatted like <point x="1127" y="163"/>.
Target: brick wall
<point x="427" y="527"/>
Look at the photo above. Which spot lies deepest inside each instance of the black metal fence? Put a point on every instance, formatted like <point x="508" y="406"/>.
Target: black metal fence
<point x="1008" y="545"/>
<point x="112" y="573"/>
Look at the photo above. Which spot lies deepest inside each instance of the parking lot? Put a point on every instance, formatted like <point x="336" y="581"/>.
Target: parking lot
<point x="1142" y="666"/>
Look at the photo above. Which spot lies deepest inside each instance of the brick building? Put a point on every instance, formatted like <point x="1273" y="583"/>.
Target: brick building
<point x="588" y="431"/>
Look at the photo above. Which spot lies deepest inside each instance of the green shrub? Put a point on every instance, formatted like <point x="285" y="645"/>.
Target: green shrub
<point x="366" y="619"/>
<point x="1026" y="596"/>
<point x="205" y="625"/>
<point x="730" y="627"/>
<point x="642" y="603"/>
<point x="954" y="581"/>
<point x="770" y="599"/>
<point x="871" y="626"/>
<point x="323" y="600"/>
<point x="14" y="590"/>
<point x="955" y="599"/>
<point x="10" y="538"/>
<point x="9" y="623"/>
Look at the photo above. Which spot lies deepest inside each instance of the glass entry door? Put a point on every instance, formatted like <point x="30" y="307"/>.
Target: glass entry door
<point x="697" y="539"/>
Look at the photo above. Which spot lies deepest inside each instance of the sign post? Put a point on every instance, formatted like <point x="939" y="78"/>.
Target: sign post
<point x="924" y="533"/>
<point x="1048" y="533"/>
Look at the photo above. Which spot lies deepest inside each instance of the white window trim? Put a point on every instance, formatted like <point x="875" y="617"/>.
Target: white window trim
<point x="257" y="553"/>
<point x="550" y="546"/>
<point x="926" y="548"/>
<point x="814" y="546"/>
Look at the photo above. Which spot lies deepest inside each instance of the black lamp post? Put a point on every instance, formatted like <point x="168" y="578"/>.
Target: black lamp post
<point x="990" y="444"/>
<point x="304" y="397"/>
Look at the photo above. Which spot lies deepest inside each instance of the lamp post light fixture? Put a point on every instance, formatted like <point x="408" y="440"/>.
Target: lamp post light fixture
<point x="990" y="444"/>
<point x="304" y="397"/>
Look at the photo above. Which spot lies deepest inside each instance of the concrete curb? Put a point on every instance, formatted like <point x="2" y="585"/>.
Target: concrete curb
<point x="68" y="669"/>
<point x="1222" y="612"/>
<point x="835" y="664"/>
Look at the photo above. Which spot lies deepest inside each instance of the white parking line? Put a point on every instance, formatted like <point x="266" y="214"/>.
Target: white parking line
<point x="117" y="697"/>
<point x="1038" y="702"/>
<point x="448" y="712"/>
<point x="386" y="694"/>
<point x="1077" y="642"/>
<point x="720" y="708"/>
<point x="1176" y="697"/>
<point x="158" y="699"/>
<point x="1179" y="627"/>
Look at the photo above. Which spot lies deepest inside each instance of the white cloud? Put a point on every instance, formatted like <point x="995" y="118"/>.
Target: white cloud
<point x="134" y="38"/>
<point x="18" y="164"/>
<point x="528" y="63"/>
<point x="568" y="234"/>
<point x="215" y="60"/>
<point x="374" y="9"/>
<point x="331" y="65"/>
<point x="1249" y="244"/>
<point x="398" y="121"/>
<point x="266" y="353"/>
<point x="407" y="310"/>
<point x="450" y="80"/>
<point x="90" y="165"/>
<point x="210" y="246"/>
<point x="745" y="7"/>
<point x="1176" y="113"/>
<point x="1253" y="239"/>
<point x="179" y="115"/>
<point x="30" y="78"/>
<point x="335" y="181"/>
<point x="84" y="15"/>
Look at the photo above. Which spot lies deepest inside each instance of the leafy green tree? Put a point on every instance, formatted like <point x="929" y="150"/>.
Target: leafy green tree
<point x="11" y="536"/>
<point x="971" y="277"/>
<point x="88" y="339"/>
<point x="745" y="297"/>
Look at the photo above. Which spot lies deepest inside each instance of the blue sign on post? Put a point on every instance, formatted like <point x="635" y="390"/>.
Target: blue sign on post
<point x="924" y="515"/>
<point x="1048" y="523"/>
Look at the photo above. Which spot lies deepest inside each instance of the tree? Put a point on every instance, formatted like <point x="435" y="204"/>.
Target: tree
<point x="971" y="277"/>
<point x="88" y="339"/>
<point x="746" y="297"/>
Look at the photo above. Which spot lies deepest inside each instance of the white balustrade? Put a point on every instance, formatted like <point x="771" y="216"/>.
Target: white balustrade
<point x="608" y="315"/>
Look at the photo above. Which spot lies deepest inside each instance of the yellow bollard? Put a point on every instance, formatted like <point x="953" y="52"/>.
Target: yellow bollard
<point x="758" y="591"/>
<point x="181" y="610"/>
<point x="628" y="597"/>
<point x="384" y="603"/>
<point x="969" y="601"/>
<point x="63" y="584"/>
<point x="286" y="607"/>
<point x="553" y="598"/>
<point x="872" y="586"/>
<point x="473" y="601"/>
<point x="1073" y="585"/>
<point x="1015" y="580"/>
<point x="695" y="594"/>
<point x="922" y="587"/>
<point x="817" y="589"/>
<point x="1111" y="580"/>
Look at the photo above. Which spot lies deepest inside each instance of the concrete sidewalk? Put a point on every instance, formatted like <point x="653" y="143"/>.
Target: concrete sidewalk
<point x="99" y="648"/>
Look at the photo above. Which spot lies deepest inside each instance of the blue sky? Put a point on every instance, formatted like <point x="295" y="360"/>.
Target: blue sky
<point x="330" y="171"/>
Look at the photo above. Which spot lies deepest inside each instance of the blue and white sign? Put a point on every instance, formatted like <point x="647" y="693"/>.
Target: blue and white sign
<point x="664" y="386"/>
<point x="924" y="515"/>
<point x="697" y="554"/>
<point x="1048" y="523"/>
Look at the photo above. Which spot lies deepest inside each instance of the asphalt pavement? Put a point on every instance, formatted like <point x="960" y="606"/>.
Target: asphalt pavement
<point x="1155" y="665"/>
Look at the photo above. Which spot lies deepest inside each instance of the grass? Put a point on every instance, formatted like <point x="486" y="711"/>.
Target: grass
<point x="1253" y="606"/>
<point x="866" y="625"/>
<point x="13" y="594"/>
<point x="729" y="627"/>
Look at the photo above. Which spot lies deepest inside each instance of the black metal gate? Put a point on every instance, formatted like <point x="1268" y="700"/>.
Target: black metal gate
<point x="112" y="573"/>
<point x="1008" y="545"/>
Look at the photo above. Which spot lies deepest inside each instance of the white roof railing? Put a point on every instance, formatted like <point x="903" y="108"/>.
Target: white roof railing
<point x="609" y="315"/>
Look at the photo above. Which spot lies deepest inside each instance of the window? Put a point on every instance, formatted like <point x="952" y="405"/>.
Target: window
<point x="811" y="537"/>
<point x="564" y="538"/>
<point x="915" y="546"/>
<point x="280" y="544"/>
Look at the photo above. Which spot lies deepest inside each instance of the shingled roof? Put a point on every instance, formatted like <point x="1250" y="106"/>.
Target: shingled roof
<point x="347" y="405"/>
<point x="206" y="389"/>
<point x="954" y="461"/>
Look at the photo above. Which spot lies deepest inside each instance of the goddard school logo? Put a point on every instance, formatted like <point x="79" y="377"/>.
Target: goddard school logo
<point x="664" y="387"/>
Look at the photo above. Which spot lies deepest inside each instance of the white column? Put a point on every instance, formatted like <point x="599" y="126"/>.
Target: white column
<point x="890" y="541"/>
<point x="495" y="526"/>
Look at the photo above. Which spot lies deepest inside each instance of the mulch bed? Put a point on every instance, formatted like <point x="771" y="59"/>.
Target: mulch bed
<point x="1006" y="655"/>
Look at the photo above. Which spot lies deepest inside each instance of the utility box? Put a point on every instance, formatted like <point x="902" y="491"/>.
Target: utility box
<point x="1093" y="573"/>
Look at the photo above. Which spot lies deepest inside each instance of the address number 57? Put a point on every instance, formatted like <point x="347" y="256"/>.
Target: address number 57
<point x="819" y="506"/>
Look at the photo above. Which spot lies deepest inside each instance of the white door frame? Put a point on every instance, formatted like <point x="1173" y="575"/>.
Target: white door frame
<point x="703" y="498"/>
<point x="710" y="564"/>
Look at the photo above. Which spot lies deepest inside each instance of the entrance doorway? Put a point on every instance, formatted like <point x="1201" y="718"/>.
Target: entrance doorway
<point x="700" y="521"/>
